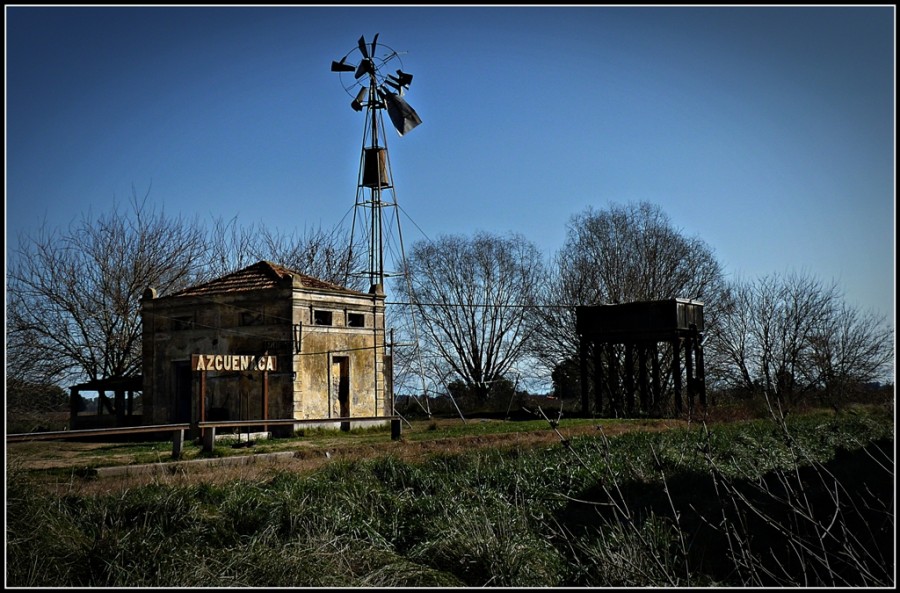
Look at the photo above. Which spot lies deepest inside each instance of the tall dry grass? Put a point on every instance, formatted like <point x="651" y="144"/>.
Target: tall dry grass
<point x="787" y="501"/>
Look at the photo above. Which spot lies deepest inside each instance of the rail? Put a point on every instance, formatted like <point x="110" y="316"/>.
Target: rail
<point x="289" y="421"/>
<point x="207" y="429"/>
<point x="89" y="432"/>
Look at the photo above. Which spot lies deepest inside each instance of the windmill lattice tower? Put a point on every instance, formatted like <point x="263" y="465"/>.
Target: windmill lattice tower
<point x="376" y="91"/>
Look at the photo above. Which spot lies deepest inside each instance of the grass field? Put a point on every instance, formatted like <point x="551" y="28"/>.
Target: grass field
<point x="805" y="500"/>
<point x="71" y="464"/>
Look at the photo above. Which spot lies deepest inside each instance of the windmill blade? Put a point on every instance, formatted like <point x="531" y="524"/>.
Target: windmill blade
<point x="362" y="46"/>
<point x="404" y="78"/>
<point x="373" y="44"/>
<point x="402" y="115"/>
<point x="359" y="101"/>
<point x="367" y="66"/>
<point x="401" y="82"/>
<point x="393" y="84"/>
<point x="342" y="66"/>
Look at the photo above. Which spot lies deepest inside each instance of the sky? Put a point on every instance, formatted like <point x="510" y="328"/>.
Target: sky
<point x="767" y="132"/>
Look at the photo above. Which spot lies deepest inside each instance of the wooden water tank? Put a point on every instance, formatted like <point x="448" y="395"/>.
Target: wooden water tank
<point x="642" y="320"/>
<point x="375" y="168"/>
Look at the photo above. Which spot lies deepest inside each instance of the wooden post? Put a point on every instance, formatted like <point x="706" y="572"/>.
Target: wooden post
<point x="582" y="373"/>
<point x="701" y="371"/>
<point x="642" y="377"/>
<point x="177" y="443"/>
<point x="656" y="391"/>
<point x="395" y="429"/>
<point x="119" y="405"/>
<point x="201" y="398"/>
<point x="74" y="404"/>
<point x="599" y="380"/>
<point x="209" y="439"/>
<point x="612" y="378"/>
<point x="265" y="398"/>
<point x="629" y="378"/>
<point x="689" y="371"/>
<point x="676" y="372"/>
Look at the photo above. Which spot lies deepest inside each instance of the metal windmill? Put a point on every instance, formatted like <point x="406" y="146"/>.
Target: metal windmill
<point x="364" y="76"/>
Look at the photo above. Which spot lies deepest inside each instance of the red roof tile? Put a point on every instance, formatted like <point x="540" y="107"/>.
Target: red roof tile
<point x="260" y="276"/>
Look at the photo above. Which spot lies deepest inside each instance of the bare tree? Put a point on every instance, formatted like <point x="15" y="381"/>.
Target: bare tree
<point x="618" y="255"/>
<point x="231" y="247"/>
<point x="318" y="252"/>
<point x="792" y="335"/>
<point x="851" y="348"/>
<point x="321" y="253"/>
<point x="74" y="296"/>
<point x="730" y="347"/>
<point x="473" y="297"/>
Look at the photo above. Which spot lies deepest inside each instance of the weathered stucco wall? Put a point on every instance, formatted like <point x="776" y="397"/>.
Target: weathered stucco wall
<point x="241" y="323"/>
<point x="324" y="346"/>
<point x="280" y="321"/>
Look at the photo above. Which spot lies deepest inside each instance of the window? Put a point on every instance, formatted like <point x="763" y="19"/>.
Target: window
<point x="356" y="320"/>
<point x="322" y="317"/>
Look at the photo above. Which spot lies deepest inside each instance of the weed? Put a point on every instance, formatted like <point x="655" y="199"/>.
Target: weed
<point x="803" y="500"/>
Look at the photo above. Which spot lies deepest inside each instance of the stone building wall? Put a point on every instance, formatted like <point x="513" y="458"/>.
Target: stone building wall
<point x="318" y="336"/>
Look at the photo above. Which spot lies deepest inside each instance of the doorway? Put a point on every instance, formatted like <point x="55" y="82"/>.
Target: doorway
<point x="340" y="387"/>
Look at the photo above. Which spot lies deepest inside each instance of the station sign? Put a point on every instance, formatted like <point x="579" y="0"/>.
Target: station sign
<point x="232" y="362"/>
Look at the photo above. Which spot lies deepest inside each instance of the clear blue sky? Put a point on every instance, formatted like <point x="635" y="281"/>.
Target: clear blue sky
<point x="767" y="132"/>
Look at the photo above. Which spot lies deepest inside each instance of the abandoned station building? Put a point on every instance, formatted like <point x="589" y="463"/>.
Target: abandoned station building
<point x="265" y="342"/>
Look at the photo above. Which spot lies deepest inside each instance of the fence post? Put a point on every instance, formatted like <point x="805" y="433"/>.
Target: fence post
<point x="395" y="429"/>
<point x="177" y="443"/>
<point x="209" y="439"/>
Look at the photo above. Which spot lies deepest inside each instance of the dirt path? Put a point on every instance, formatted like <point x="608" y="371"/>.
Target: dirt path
<point x="304" y="457"/>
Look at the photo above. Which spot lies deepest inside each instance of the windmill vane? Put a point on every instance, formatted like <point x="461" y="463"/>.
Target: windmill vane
<point x="373" y="75"/>
<point x="372" y="86"/>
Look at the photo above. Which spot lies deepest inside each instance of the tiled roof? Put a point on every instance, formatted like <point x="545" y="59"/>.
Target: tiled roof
<point x="259" y="276"/>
